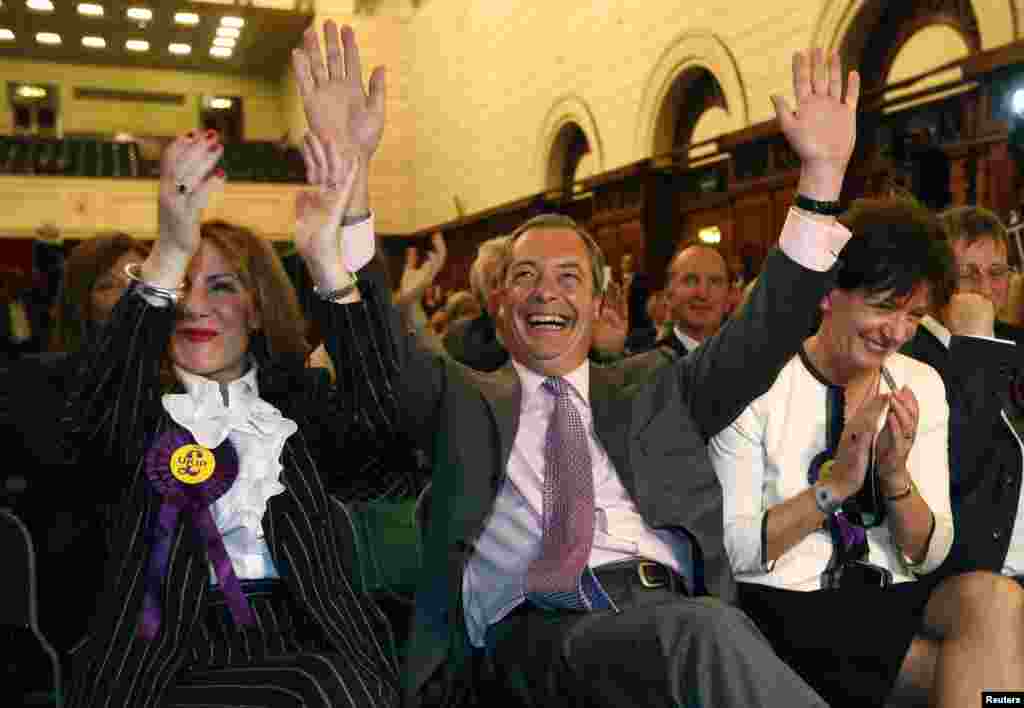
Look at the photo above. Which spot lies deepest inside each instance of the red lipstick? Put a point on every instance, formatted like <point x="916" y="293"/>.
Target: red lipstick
<point x="195" y="334"/>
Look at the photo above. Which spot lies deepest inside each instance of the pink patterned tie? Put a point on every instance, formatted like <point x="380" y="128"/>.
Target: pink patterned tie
<point x="554" y="577"/>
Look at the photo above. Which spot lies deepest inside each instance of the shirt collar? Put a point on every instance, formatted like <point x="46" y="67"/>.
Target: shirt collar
<point x="689" y="342"/>
<point x="578" y="380"/>
<point x="200" y="387"/>
<point x="938" y="329"/>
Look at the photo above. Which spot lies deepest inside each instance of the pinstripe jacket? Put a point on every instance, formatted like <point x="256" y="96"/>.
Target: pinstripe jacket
<point x="118" y="412"/>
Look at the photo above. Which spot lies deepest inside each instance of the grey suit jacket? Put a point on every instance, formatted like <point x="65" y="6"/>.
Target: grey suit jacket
<point x="653" y="414"/>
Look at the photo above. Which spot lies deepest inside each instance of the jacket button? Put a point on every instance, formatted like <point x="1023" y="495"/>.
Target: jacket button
<point x="996" y="535"/>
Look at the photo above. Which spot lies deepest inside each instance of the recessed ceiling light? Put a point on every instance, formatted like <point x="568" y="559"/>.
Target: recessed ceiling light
<point x="220" y="52"/>
<point x="179" y="49"/>
<point x="90" y="9"/>
<point x="47" y="38"/>
<point x="230" y="21"/>
<point x="143" y="14"/>
<point x="137" y="45"/>
<point x="220" y="103"/>
<point x="31" y="91"/>
<point x="228" y="32"/>
<point x="6" y="35"/>
<point x="186" y="18"/>
<point x="94" y="42"/>
<point x="39" y="5"/>
<point x="223" y="42"/>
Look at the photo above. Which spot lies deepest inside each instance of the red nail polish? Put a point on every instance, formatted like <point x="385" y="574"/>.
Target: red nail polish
<point x="215" y="147"/>
<point x="219" y="172"/>
<point x="211" y="134"/>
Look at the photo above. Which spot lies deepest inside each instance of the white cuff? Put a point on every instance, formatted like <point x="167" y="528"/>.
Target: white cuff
<point x="811" y="243"/>
<point x="358" y="244"/>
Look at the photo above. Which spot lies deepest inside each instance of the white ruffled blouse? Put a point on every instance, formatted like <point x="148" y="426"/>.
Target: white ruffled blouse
<point x="258" y="431"/>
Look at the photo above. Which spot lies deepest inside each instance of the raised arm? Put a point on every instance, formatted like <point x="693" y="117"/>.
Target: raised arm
<point x="347" y="121"/>
<point x="740" y="362"/>
<point x="116" y="403"/>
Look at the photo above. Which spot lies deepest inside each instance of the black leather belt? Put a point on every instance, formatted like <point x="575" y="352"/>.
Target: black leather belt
<point x="640" y="575"/>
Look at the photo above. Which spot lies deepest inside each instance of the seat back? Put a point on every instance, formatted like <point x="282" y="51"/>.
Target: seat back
<point x="31" y="668"/>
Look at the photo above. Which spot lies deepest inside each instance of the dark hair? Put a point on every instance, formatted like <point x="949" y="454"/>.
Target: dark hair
<point x="89" y="261"/>
<point x="558" y="221"/>
<point x="896" y="245"/>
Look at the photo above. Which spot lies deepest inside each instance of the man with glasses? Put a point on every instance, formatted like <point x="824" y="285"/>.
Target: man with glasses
<point x="698" y="296"/>
<point x="979" y="359"/>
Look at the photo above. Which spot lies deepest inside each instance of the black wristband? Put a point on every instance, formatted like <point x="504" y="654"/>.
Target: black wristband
<point x="816" y="207"/>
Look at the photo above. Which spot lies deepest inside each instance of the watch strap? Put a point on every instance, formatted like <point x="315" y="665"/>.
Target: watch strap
<point x="825" y="208"/>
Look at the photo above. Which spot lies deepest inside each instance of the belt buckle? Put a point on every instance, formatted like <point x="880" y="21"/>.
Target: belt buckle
<point x="642" y="570"/>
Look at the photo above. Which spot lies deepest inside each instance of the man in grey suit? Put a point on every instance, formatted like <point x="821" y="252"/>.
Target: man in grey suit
<point x="552" y="468"/>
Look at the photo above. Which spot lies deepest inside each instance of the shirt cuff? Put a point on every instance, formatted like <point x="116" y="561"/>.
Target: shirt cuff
<point x="811" y="243"/>
<point x="358" y="244"/>
<point x="938" y="546"/>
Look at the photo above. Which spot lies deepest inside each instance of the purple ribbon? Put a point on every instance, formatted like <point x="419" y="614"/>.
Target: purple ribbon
<point x="181" y="495"/>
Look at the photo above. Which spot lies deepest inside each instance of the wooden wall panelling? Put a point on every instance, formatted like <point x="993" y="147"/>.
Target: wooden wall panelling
<point x="753" y="231"/>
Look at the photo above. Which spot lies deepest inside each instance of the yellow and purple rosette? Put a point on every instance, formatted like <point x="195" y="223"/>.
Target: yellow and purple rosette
<point x="188" y="478"/>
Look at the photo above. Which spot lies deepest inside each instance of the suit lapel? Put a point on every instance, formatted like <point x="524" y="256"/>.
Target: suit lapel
<point x="504" y="396"/>
<point x="605" y="382"/>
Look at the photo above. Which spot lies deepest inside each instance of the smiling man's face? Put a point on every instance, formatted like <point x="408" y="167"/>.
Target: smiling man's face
<point x="547" y="302"/>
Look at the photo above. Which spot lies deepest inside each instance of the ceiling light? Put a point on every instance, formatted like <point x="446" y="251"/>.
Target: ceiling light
<point x="230" y="21"/>
<point x="142" y="14"/>
<point x="137" y="45"/>
<point x="6" y="35"/>
<point x="220" y="52"/>
<point x="47" y="38"/>
<point x="90" y="9"/>
<point x="186" y="18"/>
<point x="94" y="42"/>
<point x="228" y="32"/>
<point x="179" y="49"/>
<point x="31" y="92"/>
<point x="40" y="5"/>
<point x="223" y="42"/>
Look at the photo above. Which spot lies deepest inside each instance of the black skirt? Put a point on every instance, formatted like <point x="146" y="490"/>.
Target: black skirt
<point x="848" y="644"/>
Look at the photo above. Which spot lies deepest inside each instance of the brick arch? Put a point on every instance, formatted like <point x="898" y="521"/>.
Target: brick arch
<point x="566" y="111"/>
<point x="997" y="20"/>
<point x="688" y="52"/>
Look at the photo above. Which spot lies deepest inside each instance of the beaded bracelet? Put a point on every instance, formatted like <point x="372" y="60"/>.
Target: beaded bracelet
<point x="133" y="271"/>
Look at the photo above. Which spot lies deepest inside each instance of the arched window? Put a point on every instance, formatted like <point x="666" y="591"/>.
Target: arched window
<point x="694" y="109"/>
<point x="568" y="153"/>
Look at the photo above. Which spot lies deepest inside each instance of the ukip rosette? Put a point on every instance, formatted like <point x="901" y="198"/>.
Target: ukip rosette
<point x="188" y="478"/>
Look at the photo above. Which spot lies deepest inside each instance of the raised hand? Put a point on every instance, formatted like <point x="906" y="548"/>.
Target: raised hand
<point x="970" y="314"/>
<point x="417" y="278"/>
<point x="336" y="104"/>
<point x="822" y="129"/>
<point x="612" y="326"/>
<point x="188" y="176"/>
<point x="319" y="212"/>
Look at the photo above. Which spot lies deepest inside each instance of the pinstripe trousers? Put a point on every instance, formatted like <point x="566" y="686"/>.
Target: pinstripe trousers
<point x="282" y="661"/>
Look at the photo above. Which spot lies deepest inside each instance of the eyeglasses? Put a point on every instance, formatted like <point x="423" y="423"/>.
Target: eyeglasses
<point x="973" y="274"/>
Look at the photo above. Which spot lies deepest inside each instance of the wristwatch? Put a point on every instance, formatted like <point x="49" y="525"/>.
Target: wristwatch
<point x="826" y="500"/>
